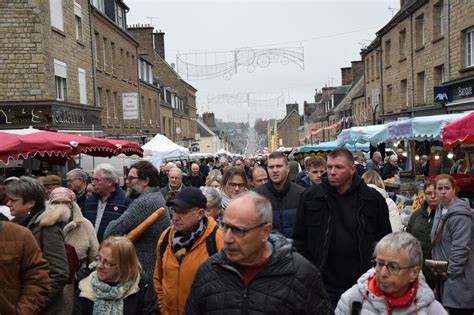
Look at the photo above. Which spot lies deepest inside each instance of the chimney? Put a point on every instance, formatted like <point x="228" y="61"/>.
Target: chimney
<point x="291" y="107"/>
<point x="402" y="3"/>
<point x="357" y="70"/>
<point x="159" y="40"/>
<point x="346" y="76"/>
<point x="208" y="119"/>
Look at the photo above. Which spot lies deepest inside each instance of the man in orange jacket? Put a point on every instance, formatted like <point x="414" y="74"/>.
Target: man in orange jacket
<point x="182" y="248"/>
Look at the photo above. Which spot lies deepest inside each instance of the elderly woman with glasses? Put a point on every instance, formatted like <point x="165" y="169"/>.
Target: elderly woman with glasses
<point x="116" y="286"/>
<point x="394" y="285"/>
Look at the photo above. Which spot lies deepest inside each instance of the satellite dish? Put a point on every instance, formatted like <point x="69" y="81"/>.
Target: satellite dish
<point x="178" y="130"/>
<point x="173" y="65"/>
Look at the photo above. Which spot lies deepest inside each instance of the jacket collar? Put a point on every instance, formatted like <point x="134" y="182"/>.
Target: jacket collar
<point x="358" y="185"/>
<point x="283" y="192"/>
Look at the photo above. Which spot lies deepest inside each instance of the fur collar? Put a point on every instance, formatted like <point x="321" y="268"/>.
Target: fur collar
<point x="77" y="218"/>
<point x="53" y="214"/>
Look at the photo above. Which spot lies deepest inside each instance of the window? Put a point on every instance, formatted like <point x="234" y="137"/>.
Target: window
<point x="388" y="53"/>
<point x="60" y="78"/>
<point x="420" y="88"/>
<point x="97" y="49"/>
<point x="106" y="104"/>
<point x="163" y="128"/>
<point x="367" y="66"/>
<point x="120" y="64"/>
<point x="438" y="20"/>
<point x="56" y="8"/>
<point x="420" y="31"/>
<point x="402" y="38"/>
<point x="389" y="96"/>
<point x="112" y="57"/>
<point x="438" y="77"/>
<point x="377" y="67"/>
<point x="99" y="96"/>
<point x="78" y="20"/>
<point x="99" y="4"/>
<point x="372" y="66"/>
<point x="114" y="105"/>
<point x="104" y="53"/>
<point x="469" y="43"/>
<point x="120" y="14"/>
<point x="403" y="93"/>
<point x="81" y="78"/>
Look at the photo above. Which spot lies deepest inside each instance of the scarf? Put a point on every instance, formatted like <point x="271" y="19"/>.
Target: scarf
<point x="182" y="242"/>
<point x="109" y="299"/>
<point x="394" y="302"/>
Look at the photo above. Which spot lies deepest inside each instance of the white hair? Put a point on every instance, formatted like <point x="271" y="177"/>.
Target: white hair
<point x="108" y="170"/>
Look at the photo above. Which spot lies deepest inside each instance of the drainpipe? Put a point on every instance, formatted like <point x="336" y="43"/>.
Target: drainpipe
<point x="412" y="64"/>
<point x="93" y="52"/>
<point x="381" y="84"/>
<point x="448" y="37"/>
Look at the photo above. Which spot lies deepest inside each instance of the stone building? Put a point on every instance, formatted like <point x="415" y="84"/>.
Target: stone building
<point x="427" y="45"/>
<point x="116" y="51"/>
<point x="177" y="98"/>
<point x="373" y="83"/>
<point x="288" y="127"/>
<point x="46" y="66"/>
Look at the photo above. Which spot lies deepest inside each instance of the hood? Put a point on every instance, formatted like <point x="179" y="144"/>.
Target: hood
<point x="281" y="245"/>
<point x="380" y="190"/>
<point x="424" y="294"/>
<point x="459" y="207"/>
<point x="53" y="214"/>
<point x="77" y="219"/>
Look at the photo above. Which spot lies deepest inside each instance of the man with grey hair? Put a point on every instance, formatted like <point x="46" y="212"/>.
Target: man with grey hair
<point x="374" y="163"/>
<point x="77" y="182"/>
<point x="175" y="182"/>
<point x="394" y="284"/>
<point x="254" y="260"/>
<point x="108" y="201"/>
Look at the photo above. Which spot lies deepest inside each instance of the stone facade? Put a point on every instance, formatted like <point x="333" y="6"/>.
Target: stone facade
<point x="288" y="127"/>
<point x="177" y="96"/>
<point x="37" y="46"/>
<point x="373" y="82"/>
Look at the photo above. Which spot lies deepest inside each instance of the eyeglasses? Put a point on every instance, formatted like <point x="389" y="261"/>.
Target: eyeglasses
<point x="181" y="211"/>
<point x="392" y="267"/>
<point x="130" y="178"/>
<point x="97" y="179"/>
<point x="104" y="262"/>
<point x="237" y="231"/>
<point x="235" y="185"/>
<point x="70" y="180"/>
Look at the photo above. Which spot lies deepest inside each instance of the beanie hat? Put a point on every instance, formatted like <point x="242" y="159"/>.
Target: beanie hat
<point x="62" y="194"/>
<point x="52" y="180"/>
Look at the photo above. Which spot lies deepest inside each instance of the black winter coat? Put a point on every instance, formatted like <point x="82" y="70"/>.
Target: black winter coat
<point x="284" y="205"/>
<point x="141" y="303"/>
<point x="116" y="205"/>
<point x="289" y="284"/>
<point x="313" y="229"/>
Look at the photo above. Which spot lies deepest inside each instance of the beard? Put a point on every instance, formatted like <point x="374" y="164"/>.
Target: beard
<point x="134" y="193"/>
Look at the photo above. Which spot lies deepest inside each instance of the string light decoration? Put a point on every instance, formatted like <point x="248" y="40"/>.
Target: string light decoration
<point x="209" y="65"/>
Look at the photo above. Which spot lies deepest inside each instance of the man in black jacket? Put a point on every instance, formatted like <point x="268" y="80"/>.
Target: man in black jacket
<point x="257" y="272"/>
<point x="282" y="194"/>
<point x="338" y="224"/>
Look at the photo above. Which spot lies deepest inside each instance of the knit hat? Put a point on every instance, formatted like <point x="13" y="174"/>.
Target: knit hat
<point x="62" y="194"/>
<point x="52" y="180"/>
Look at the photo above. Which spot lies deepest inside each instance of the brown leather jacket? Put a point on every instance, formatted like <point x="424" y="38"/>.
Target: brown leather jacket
<point x="24" y="273"/>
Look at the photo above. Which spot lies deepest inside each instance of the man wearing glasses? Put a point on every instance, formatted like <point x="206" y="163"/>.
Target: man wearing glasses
<point x="183" y="247"/>
<point x="394" y="285"/>
<point x="77" y="182"/>
<point x="108" y="201"/>
<point x="257" y="272"/>
<point x="143" y="188"/>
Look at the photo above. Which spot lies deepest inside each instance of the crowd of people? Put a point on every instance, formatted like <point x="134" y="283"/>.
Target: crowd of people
<point x="234" y="236"/>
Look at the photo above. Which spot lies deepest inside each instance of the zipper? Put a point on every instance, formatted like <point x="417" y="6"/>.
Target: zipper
<point x="244" y="306"/>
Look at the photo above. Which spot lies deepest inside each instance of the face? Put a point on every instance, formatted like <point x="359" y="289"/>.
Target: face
<point x="340" y="171"/>
<point x="278" y="170"/>
<point x="18" y="207"/>
<point x="212" y="211"/>
<point x="135" y="185"/>
<point x="377" y="158"/>
<point x="175" y="179"/>
<point x="314" y="174"/>
<point x="244" y="248"/>
<point x="215" y="184"/>
<point x="445" y="191"/>
<point x="239" y="163"/>
<point x="101" y="184"/>
<point x="48" y="189"/>
<point x="186" y="220"/>
<point x="235" y="186"/>
<point x="395" y="284"/>
<point x="394" y="163"/>
<point x="260" y="177"/>
<point x="195" y="169"/>
<point x="106" y="266"/>
<point x="431" y="197"/>
<point x="76" y="184"/>
<point x="400" y="153"/>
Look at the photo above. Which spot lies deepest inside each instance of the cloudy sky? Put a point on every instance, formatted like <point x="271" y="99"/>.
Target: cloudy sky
<point x="284" y="49"/>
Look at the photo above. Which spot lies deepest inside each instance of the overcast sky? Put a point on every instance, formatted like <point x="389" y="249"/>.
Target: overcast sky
<point x="331" y="34"/>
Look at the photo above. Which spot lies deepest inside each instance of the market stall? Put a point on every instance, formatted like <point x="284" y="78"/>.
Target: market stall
<point x="329" y="146"/>
<point x="459" y="131"/>
<point x="161" y="148"/>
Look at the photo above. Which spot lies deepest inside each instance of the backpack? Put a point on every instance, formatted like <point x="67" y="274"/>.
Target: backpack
<point x="72" y="259"/>
<point x="210" y="242"/>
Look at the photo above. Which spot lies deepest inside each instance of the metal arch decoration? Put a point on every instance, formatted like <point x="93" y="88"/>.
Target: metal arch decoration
<point x="209" y="65"/>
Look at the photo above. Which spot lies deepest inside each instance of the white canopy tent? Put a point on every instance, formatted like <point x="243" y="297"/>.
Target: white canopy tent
<point x="160" y="147"/>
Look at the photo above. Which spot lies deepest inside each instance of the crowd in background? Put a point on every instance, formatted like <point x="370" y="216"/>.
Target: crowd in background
<point x="243" y="235"/>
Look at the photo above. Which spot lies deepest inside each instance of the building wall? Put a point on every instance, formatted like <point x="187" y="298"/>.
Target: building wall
<point x="150" y="107"/>
<point x="288" y="131"/>
<point x="116" y="69"/>
<point x="372" y="75"/>
<point x="209" y="144"/>
<point x="167" y="121"/>
<point x="361" y="112"/>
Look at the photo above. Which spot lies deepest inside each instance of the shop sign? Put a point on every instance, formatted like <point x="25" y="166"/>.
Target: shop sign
<point x="463" y="90"/>
<point x="441" y="94"/>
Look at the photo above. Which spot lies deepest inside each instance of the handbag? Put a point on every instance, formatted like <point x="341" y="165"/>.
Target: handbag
<point x="439" y="268"/>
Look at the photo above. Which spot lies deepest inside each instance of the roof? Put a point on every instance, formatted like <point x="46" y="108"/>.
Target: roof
<point x="285" y="119"/>
<point x="345" y="104"/>
<point x="409" y="7"/>
<point x="203" y="129"/>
